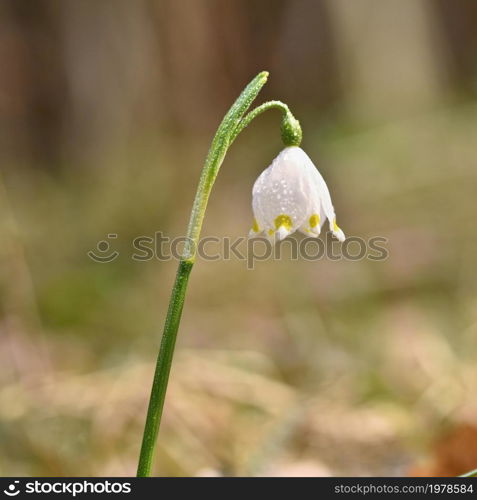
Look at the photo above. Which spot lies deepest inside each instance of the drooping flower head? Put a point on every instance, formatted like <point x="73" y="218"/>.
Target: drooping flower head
<point x="292" y="195"/>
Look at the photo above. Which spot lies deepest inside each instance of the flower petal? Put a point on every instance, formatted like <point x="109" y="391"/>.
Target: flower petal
<point x="291" y="194"/>
<point x="282" y="191"/>
<point x="322" y="194"/>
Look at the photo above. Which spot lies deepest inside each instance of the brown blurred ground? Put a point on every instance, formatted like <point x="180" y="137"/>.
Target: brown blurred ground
<point x="296" y="368"/>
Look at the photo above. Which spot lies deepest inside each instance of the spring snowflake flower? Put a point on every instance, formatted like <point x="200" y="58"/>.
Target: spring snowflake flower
<point x="292" y="195"/>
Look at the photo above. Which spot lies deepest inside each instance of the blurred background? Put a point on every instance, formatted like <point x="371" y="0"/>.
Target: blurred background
<point x="107" y="110"/>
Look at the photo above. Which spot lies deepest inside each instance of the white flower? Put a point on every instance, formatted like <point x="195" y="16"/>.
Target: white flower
<point x="292" y="195"/>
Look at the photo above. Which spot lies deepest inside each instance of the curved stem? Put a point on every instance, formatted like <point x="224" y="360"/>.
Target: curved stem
<point x="245" y="121"/>
<point x="232" y="124"/>
<point x="223" y="139"/>
<point x="218" y="149"/>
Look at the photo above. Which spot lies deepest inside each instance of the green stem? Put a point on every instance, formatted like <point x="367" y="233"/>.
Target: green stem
<point x="258" y="111"/>
<point x="163" y="368"/>
<point x="232" y="124"/>
<point x="215" y="157"/>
